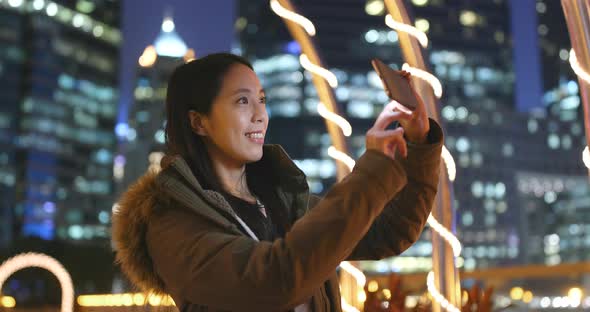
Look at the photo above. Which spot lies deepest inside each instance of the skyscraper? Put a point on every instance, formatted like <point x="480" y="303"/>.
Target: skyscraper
<point x="59" y="62"/>
<point x="143" y="141"/>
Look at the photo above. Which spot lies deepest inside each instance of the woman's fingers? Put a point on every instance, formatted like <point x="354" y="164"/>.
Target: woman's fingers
<point x="387" y="141"/>
<point x="388" y="116"/>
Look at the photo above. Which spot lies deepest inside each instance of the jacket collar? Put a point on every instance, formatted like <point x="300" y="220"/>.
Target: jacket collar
<point x="275" y="164"/>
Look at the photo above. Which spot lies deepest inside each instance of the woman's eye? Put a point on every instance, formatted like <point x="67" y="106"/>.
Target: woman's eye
<point x="263" y="100"/>
<point x="243" y="100"/>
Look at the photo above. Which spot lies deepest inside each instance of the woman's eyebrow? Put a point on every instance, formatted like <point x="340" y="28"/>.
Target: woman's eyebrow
<point x="246" y="90"/>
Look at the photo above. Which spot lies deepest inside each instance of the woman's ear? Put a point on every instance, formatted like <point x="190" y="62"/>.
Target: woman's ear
<point x="197" y="122"/>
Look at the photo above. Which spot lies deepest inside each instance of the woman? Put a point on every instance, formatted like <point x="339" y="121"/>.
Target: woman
<point x="225" y="225"/>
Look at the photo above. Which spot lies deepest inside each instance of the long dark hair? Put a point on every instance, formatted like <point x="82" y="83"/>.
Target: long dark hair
<point x="194" y="86"/>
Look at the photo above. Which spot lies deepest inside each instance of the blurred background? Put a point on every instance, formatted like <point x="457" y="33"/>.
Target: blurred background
<point x="82" y="88"/>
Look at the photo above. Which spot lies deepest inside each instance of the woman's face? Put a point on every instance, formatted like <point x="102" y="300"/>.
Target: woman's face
<point x="235" y="128"/>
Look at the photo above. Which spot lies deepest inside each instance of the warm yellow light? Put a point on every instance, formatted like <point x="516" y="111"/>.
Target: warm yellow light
<point x="373" y="286"/>
<point x="527" y="297"/>
<point x="155" y="300"/>
<point x="189" y="55"/>
<point x="446" y="235"/>
<point x="361" y="279"/>
<point x="575" y="294"/>
<point x="468" y="18"/>
<point x="410" y="30"/>
<point x="420" y="2"/>
<point x="361" y="296"/>
<point x="127" y="300"/>
<point x="324" y="73"/>
<point x="138" y="299"/>
<point x="516" y="293"/>
<point x="8" y="302"/>
<point x="464" y="297"/>
<point x="387" y="293"/>
<point x="337" y="119"/>
<point x="422" y="24"/>
<point x="433" y="291"/>
<point x="149" y="56"/>
<point x="347" y="307"/>
<point x="292" y="16"/>
<point x="341" y="156"/>
<point x="375" y="7"/>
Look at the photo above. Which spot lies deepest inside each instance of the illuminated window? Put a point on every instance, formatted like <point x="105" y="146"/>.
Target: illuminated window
<point x="468" y="18"/>
<point x="467" y="218"/>
<point x="553" y="141"/>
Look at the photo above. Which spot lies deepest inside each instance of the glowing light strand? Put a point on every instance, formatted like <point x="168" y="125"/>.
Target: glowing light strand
<point x="437" y="295"/>
<point x="586" y="157"/>
<point x="446" y="155"/>
<point x="320" y="71"/>
<point x="446" y="235"/>
<point x="344" y="125"/>
<point x="354" y="271"/>
<point x="410" y="30"/>
<point x="584" y="75"/>
<point x="426" y="76"/>
<point x="347" y="307"/>
<point x="335" y="118"/>
<point x="449" y="163"/>
<point x="292" y="16"/>
<point x="341" y="156"/>
<point x="28" y="260"/>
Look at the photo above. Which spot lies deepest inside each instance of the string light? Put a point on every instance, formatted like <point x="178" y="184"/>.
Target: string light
<point x="36" y="260"/>
<point x="7" y="302"/>
<point x="337" y="119"/>
<point x="347" y="307"/>
<point x="324" y="73"/>
<point x="125" y="299"/>
<point x="324" y="112"/>
<point x="578" y="68"/>
<point x="449" y="163"/>
<point x="438" y="296"/>
<point x="292" y="16"/>
<point x="361" y="279"/>
<point x="584" y="75"/>
<point x="426" y="76"/>
<point x="340" y="156"/>
<point x="410" y="30"/>
<point x="446" y="234"/>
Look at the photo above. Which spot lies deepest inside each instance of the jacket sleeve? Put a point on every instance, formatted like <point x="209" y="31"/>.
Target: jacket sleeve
<point x="403" y="218"/>
<point x="204" y="264"/>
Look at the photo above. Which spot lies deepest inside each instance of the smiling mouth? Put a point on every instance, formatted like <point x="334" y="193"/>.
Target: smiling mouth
<point x="255" y="135"/>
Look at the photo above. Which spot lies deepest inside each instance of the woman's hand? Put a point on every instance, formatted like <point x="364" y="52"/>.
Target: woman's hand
<point x="417" y="127"/>
<point x="388" y="141"/>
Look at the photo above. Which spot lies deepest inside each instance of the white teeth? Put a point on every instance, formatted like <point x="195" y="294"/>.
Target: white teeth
<point x="256" y="135"/>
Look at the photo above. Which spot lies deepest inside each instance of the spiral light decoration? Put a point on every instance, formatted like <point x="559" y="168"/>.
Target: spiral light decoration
<point x="436" y="86"/>
<point x="283" y="8"/>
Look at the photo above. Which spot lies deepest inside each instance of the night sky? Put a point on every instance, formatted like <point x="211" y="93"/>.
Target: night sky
<point x="205" y="26"/>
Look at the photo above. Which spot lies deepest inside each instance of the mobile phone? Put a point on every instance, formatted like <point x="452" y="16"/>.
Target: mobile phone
<point x="396" y="86"/>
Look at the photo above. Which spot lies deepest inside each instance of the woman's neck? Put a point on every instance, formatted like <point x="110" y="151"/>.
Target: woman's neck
<point x="232" y="176"/>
